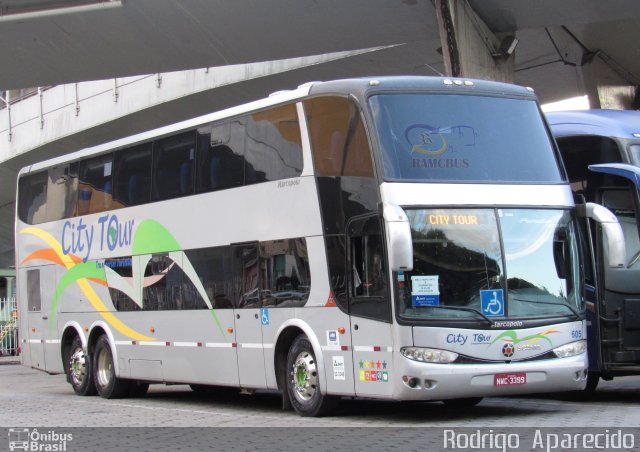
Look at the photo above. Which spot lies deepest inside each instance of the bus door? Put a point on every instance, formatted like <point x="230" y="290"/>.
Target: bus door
<point x="619" y="292"/>
<point x="249" y="315"/>
<point x="370" y="308"/>
<point x="38" y="281"/>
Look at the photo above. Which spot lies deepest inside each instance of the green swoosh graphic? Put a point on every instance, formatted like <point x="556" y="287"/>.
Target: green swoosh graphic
<point x="514" y="337"/>
<point x="75" y="273"/>
<point x="152" y="237"/>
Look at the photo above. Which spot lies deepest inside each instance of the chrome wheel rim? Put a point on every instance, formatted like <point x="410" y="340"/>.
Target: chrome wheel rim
<point x="77" y="367"/>
<point x="304" y="377"/>
<point x="104" y="365"/>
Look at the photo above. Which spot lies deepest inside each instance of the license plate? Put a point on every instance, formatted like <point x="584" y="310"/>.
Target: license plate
<point x="510" y="379"/>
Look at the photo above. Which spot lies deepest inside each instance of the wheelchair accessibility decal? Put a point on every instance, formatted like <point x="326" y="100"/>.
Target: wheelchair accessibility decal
<point x="492" y="302"/>
<point x="264" y="316"/>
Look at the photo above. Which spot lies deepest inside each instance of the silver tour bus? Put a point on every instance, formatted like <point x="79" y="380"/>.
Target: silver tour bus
<point x="405" y="238"/>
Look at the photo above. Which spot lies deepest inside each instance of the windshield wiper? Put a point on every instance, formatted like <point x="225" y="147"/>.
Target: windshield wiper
<point x="465" y="308"/>
<point x="555" y="303"/>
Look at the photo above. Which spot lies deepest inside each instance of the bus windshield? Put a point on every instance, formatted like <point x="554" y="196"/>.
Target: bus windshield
<point x="445" y="137"/>
<point x="491" y="263"/>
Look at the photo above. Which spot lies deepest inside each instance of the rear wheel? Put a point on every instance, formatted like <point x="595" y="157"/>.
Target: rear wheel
<point x="104" y="373"/>
<point x="303" y="380"/>
<point x="77" y="366"/>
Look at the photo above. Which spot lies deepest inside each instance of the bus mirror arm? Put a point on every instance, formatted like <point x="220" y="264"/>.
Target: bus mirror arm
<point x="399" y="240"/>
<point x="612" y="231"/>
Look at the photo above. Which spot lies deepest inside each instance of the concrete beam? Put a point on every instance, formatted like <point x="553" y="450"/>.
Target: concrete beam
<point x="469" y="47"/>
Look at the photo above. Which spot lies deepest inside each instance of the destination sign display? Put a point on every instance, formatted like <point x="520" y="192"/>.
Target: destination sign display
<point x="453" y="218"/>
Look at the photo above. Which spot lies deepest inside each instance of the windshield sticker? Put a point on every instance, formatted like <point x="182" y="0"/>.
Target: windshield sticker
<point x="492" y="302"/>
<point x="425" y="290"/>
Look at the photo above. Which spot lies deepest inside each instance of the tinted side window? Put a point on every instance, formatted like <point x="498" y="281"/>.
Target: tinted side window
<point x="34" y="302"/>
<point x="32" y="200"/>
<point x="50" y="195"/>
<point x="132" y="176"/>
<point x="220" y="164"/>
<point x="123" y="267"/>
<point x="213" y="267"/>
<point x="285" y="276"/>
<point x="173" y="160"/>
<point x="338" y="138"/>
<point x="62" y="192"/>
<point x="273" y="144"/>
<point x="580" y="152"/>
<point x="246" y="276"/>
<point x="95" y="190"/>
<point x="170" y="288"/>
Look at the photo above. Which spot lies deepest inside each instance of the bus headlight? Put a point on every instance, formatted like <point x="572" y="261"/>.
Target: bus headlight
<point x="428" y="355"/>
<point x="572" y="349"/>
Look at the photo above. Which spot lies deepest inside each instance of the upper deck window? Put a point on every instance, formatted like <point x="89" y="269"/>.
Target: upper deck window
<point x="338" y="138"/>
<point x="434" y="137"/>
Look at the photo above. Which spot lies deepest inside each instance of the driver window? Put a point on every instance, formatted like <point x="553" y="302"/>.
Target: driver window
<point x="369" y="277"/>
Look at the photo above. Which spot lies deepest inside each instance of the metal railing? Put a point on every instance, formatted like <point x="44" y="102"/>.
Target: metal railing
<point x="8" y="327"/>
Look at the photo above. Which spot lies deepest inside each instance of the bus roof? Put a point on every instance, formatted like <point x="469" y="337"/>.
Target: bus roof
<point x="363" y="86"/>
<point x="360" y="87"/>
<point x="610" y="123"/>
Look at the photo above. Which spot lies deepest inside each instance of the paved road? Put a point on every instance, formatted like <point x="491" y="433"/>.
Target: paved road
<point x="30" y="398"/>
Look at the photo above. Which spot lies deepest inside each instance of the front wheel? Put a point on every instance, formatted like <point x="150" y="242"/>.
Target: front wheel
<point x="303" y="380"/>
<point x="592" y="383"/>
<point x="104" y="373"/>
<point x="77" y="366"/>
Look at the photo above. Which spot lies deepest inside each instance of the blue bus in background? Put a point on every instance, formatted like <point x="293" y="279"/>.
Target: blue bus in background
<point x="601" y="152"/>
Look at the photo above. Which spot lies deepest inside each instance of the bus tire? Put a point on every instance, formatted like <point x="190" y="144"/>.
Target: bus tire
<point x="104" y="373"/>
<point x="592" y="383"/>
<point x="462" y="403"/>
<point x="77" y="367"/>
<point x="303" y="380"/>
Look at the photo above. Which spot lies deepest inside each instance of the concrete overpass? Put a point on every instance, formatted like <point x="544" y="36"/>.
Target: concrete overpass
<point x="237" y="51"/>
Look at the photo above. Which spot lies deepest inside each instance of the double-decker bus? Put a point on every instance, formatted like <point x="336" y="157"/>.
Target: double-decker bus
<point x="601" y="151"/>
<point x="405" y="238"/>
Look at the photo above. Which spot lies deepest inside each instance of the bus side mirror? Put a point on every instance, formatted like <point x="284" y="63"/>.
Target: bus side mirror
<point x="398" y="238"/>
<point x="612" y="233"/>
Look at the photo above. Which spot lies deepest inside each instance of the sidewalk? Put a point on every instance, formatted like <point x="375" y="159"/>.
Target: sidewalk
<point x="8" y="359"/>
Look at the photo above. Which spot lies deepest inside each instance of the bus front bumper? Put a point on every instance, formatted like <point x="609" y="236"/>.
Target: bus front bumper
<point x="426" y="381"/>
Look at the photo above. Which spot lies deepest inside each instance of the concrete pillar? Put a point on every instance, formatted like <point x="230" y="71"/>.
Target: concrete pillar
<point x="608" y="85"/>
<point x="469" y="47"/>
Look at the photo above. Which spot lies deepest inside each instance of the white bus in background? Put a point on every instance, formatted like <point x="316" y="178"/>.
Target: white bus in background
<point x="404" y="238"/>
